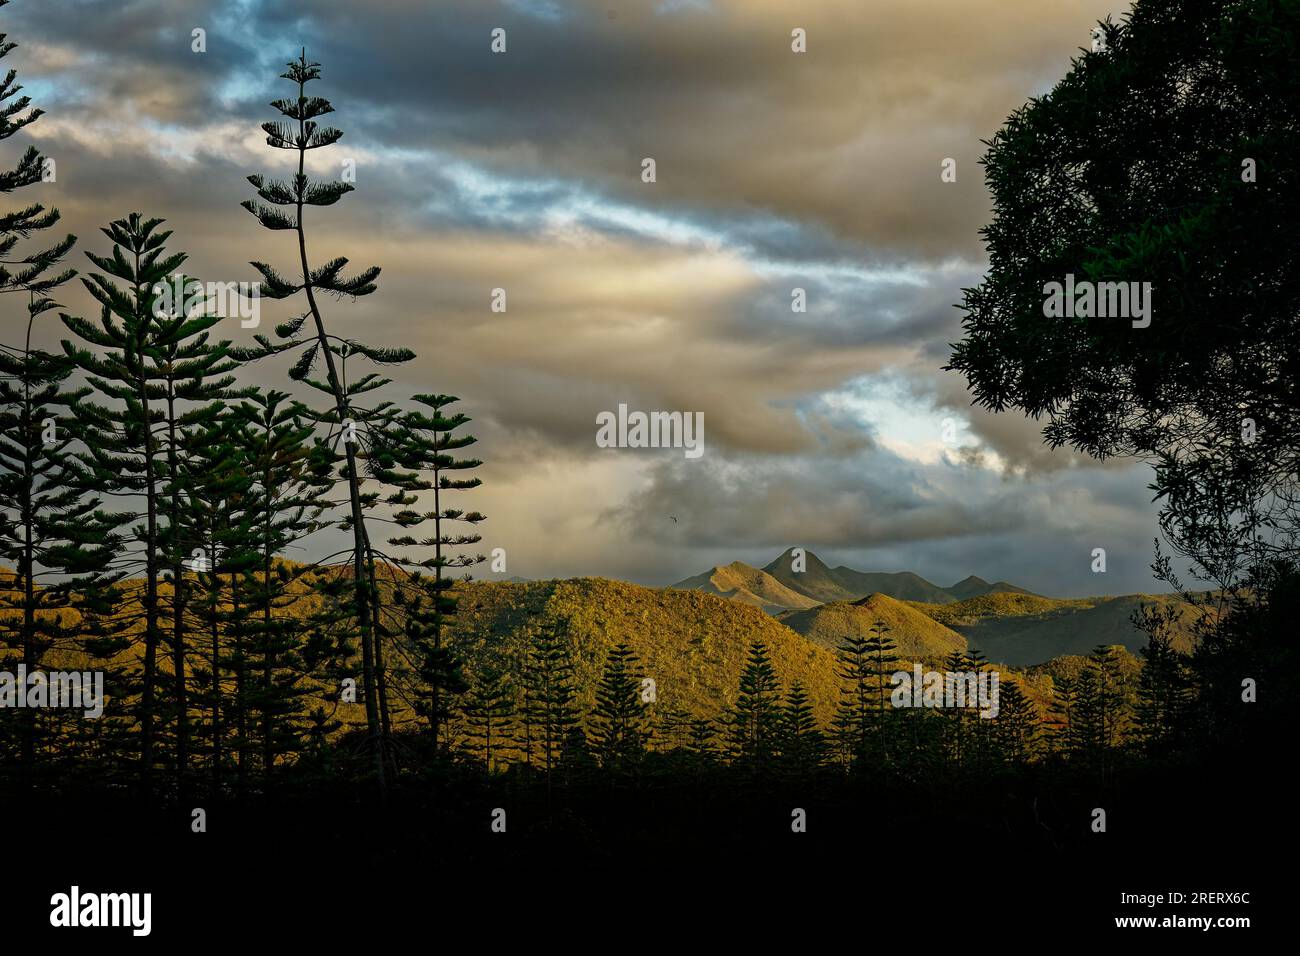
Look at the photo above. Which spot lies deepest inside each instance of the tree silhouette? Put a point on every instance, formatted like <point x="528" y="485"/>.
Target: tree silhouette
<point x="753" y="724"/>
<point x="423" y="459"/>
<point x="549" y="706"/>
<point x="282" y="207"/>
<point x="151" y="357"/>
<point x="851" y="727"/>
<point x="1016" y="729"/>
<point x="1187" y="181"/>
<point x="45" y="526"/>
<point x="489" y="713"/>
<point x="802" y="743"/>
<point x="619" y="721"/>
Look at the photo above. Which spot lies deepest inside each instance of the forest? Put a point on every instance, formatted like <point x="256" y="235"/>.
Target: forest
<point x="157" y="514"/>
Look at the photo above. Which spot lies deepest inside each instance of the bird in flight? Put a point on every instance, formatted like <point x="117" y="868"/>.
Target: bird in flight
<point x="670" y="516"/>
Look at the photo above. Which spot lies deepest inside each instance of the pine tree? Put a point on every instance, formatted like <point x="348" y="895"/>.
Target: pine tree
<point x="576" y="761"/>
<point x="1100" y="709"/>
<point x="153" y="360"/>
<point x="56" y="539"/>
<point x="191" y="376"/>
<point x="27" y="273"/>
<point x="969" y="736"/>
<point x="549" y="705"/>
<point x="980" y="736"/>
<point x="753" y="725"/>
<point x="489" y="714"/>
<point x="438" y="669"/>
<point x="44" y="524"/>
<point x="282" y="506"/>
<point x="423" y="459"/>
<point x="1061" y="731"/>
<point x="619" y="719"/>
<point x="282" y="207"/>
<point x="1016" y="728"/>
<point x="217" y="488"/>
<point x="956" y="719"/>
<point x="802" y="743"/>
<point x="670" y="727"/>
<point x="1164" y="686"/>
<point x="703" y="739"/>
<point x="882" y="651"/>
<point x="851" y="727"/>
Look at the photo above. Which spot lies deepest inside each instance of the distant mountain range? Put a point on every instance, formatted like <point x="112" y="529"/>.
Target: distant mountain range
<point x="1009" y="624"/>
<point x="779" y="587"/>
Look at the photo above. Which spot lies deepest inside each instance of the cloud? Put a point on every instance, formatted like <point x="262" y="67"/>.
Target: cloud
<point x="878" y="511"/>
<point x="476" y="171"/>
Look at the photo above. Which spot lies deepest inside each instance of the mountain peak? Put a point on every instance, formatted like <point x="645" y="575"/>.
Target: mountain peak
<point x="811" y="564"/>
<point x="969" y="587"/>
<point x="742" y="582"/>
<point x="875" y="599"/>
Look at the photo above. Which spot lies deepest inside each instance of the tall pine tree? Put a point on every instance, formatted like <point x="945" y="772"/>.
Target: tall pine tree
<point x="151" y="357"/>
<point x="281" y="206"/>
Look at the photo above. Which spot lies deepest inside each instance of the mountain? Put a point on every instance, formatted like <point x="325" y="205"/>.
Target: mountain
<point x="972" y="587"/>
<point x="1019" y="628"/>
<point x="1002" y="587"/>
<point x="969" y="587"/>
<point x="741" y="582"/>
<point x="692" y="643"/>
<point x="915" y="633"/>
<point x="826" y="584"/>
<point x="815" y="580"/>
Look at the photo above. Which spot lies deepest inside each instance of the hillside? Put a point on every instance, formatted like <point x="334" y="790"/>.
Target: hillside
<point x="1072" y="665"/>
<point x="742" y="582"/>
<point x="915" y="634"/>
<point x="693" y="644"/>
<point x="1021" y="629"/>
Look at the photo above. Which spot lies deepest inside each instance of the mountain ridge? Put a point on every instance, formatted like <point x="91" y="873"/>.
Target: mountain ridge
<point x="798" y="581"/>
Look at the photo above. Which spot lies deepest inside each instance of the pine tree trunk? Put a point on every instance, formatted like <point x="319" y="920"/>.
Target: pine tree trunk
<point x="147" y="702"/>
<point x="216" y="690"/>
<point x="29" y="562"/>
<point x="361" y="546"/>
<point x="268" y="661"/>
<point x="178" y="608"/>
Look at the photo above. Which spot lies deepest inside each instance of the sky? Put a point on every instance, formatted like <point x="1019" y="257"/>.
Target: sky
<point x="834" y="429"/>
